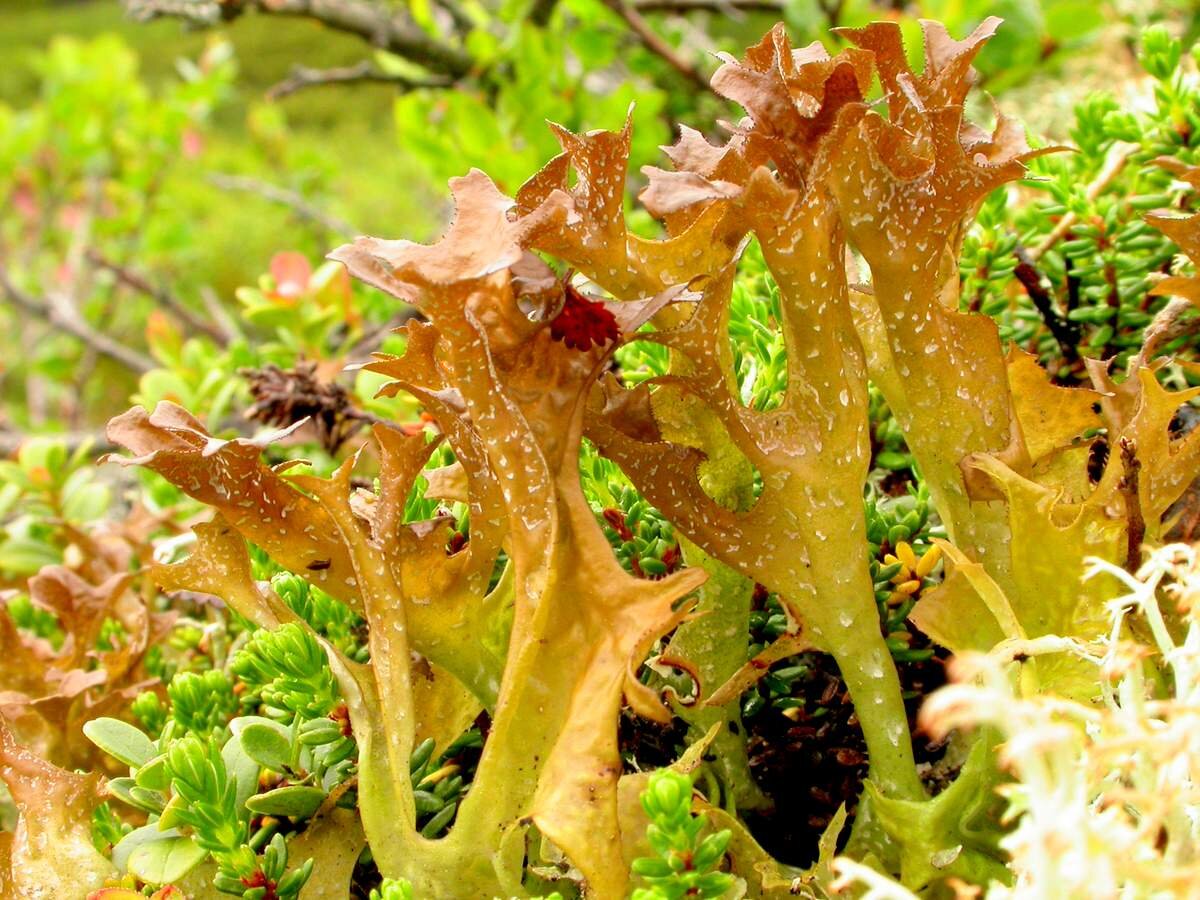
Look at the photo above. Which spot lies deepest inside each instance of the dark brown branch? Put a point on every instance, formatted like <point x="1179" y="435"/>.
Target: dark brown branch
<point x="655" y="44"/>
<point x="59" y="313"/>
<point x="163" y="297"/>
<point x="1065" y="332"/>
<point x="1074" y="284"/>
<point x="381" y="26"/>
<point x="291" y="199"/>
<point x="541" y="11"/>
<point x="305" y="77"/>
<point x="717" y="6"/>
<point x="1136" y="522"/>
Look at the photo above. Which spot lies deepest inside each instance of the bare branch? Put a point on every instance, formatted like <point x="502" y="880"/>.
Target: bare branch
<point x="1112" y="168"/>
<point x="203" y="13"/>
<point x="541" y="11"/>
<point x="1130" y="491"/>
<point x="463" y="23"/>
<point x="718" y="6"/>
<point x="217" y="312"/>
<point x="655" y="44"/>
<point x="304" y="77"/>
<point x="381" y="26"/>
<point x="159" y="294"/>
<point x="291" y="199"/>
<point x="61" y="314"/>
<point x="1064" y="331"/>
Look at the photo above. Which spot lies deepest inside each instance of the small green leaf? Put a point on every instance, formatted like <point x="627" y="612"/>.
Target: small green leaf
<point x="147" y="834"/>
<point x="266" y="746"/>
<point x="25" y="556"/>
<point x="172" y="813"/>
<point x="120" y="788"/>
<point x="153" y="775"/>
<point x="86" y="502"/>
<point x="167" y="860"/>
<point x="241" y="768"/>
<point x="296" y="800"/>
<point x="891" y="459"/>
<point x="120" y="740"/>
<point x="152" y="801"/>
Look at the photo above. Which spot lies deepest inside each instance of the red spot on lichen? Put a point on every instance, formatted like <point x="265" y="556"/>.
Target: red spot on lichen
<point x="583" y="322"/>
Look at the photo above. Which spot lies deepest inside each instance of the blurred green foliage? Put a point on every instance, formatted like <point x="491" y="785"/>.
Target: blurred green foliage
<point x="44" y="491"/>
<point x="110" y="154"/>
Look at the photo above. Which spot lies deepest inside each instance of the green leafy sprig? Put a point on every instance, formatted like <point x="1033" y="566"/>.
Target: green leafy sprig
<point x="685" y="863"/>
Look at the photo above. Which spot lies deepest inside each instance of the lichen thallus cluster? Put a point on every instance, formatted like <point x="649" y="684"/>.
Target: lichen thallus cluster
<point x="723" y="488"/>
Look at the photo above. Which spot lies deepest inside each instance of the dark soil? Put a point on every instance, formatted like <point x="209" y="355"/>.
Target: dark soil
<point x="809" y="765"/>
<point x="812" y="765"/>
<point x="647" y="745"/>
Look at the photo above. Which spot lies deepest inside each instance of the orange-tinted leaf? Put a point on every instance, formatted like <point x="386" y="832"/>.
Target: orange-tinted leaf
<point x="81" y="608"/>
<point x="231" y="477"/>
<point x="51" y="854"/>
<point x="219" y="564"/>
